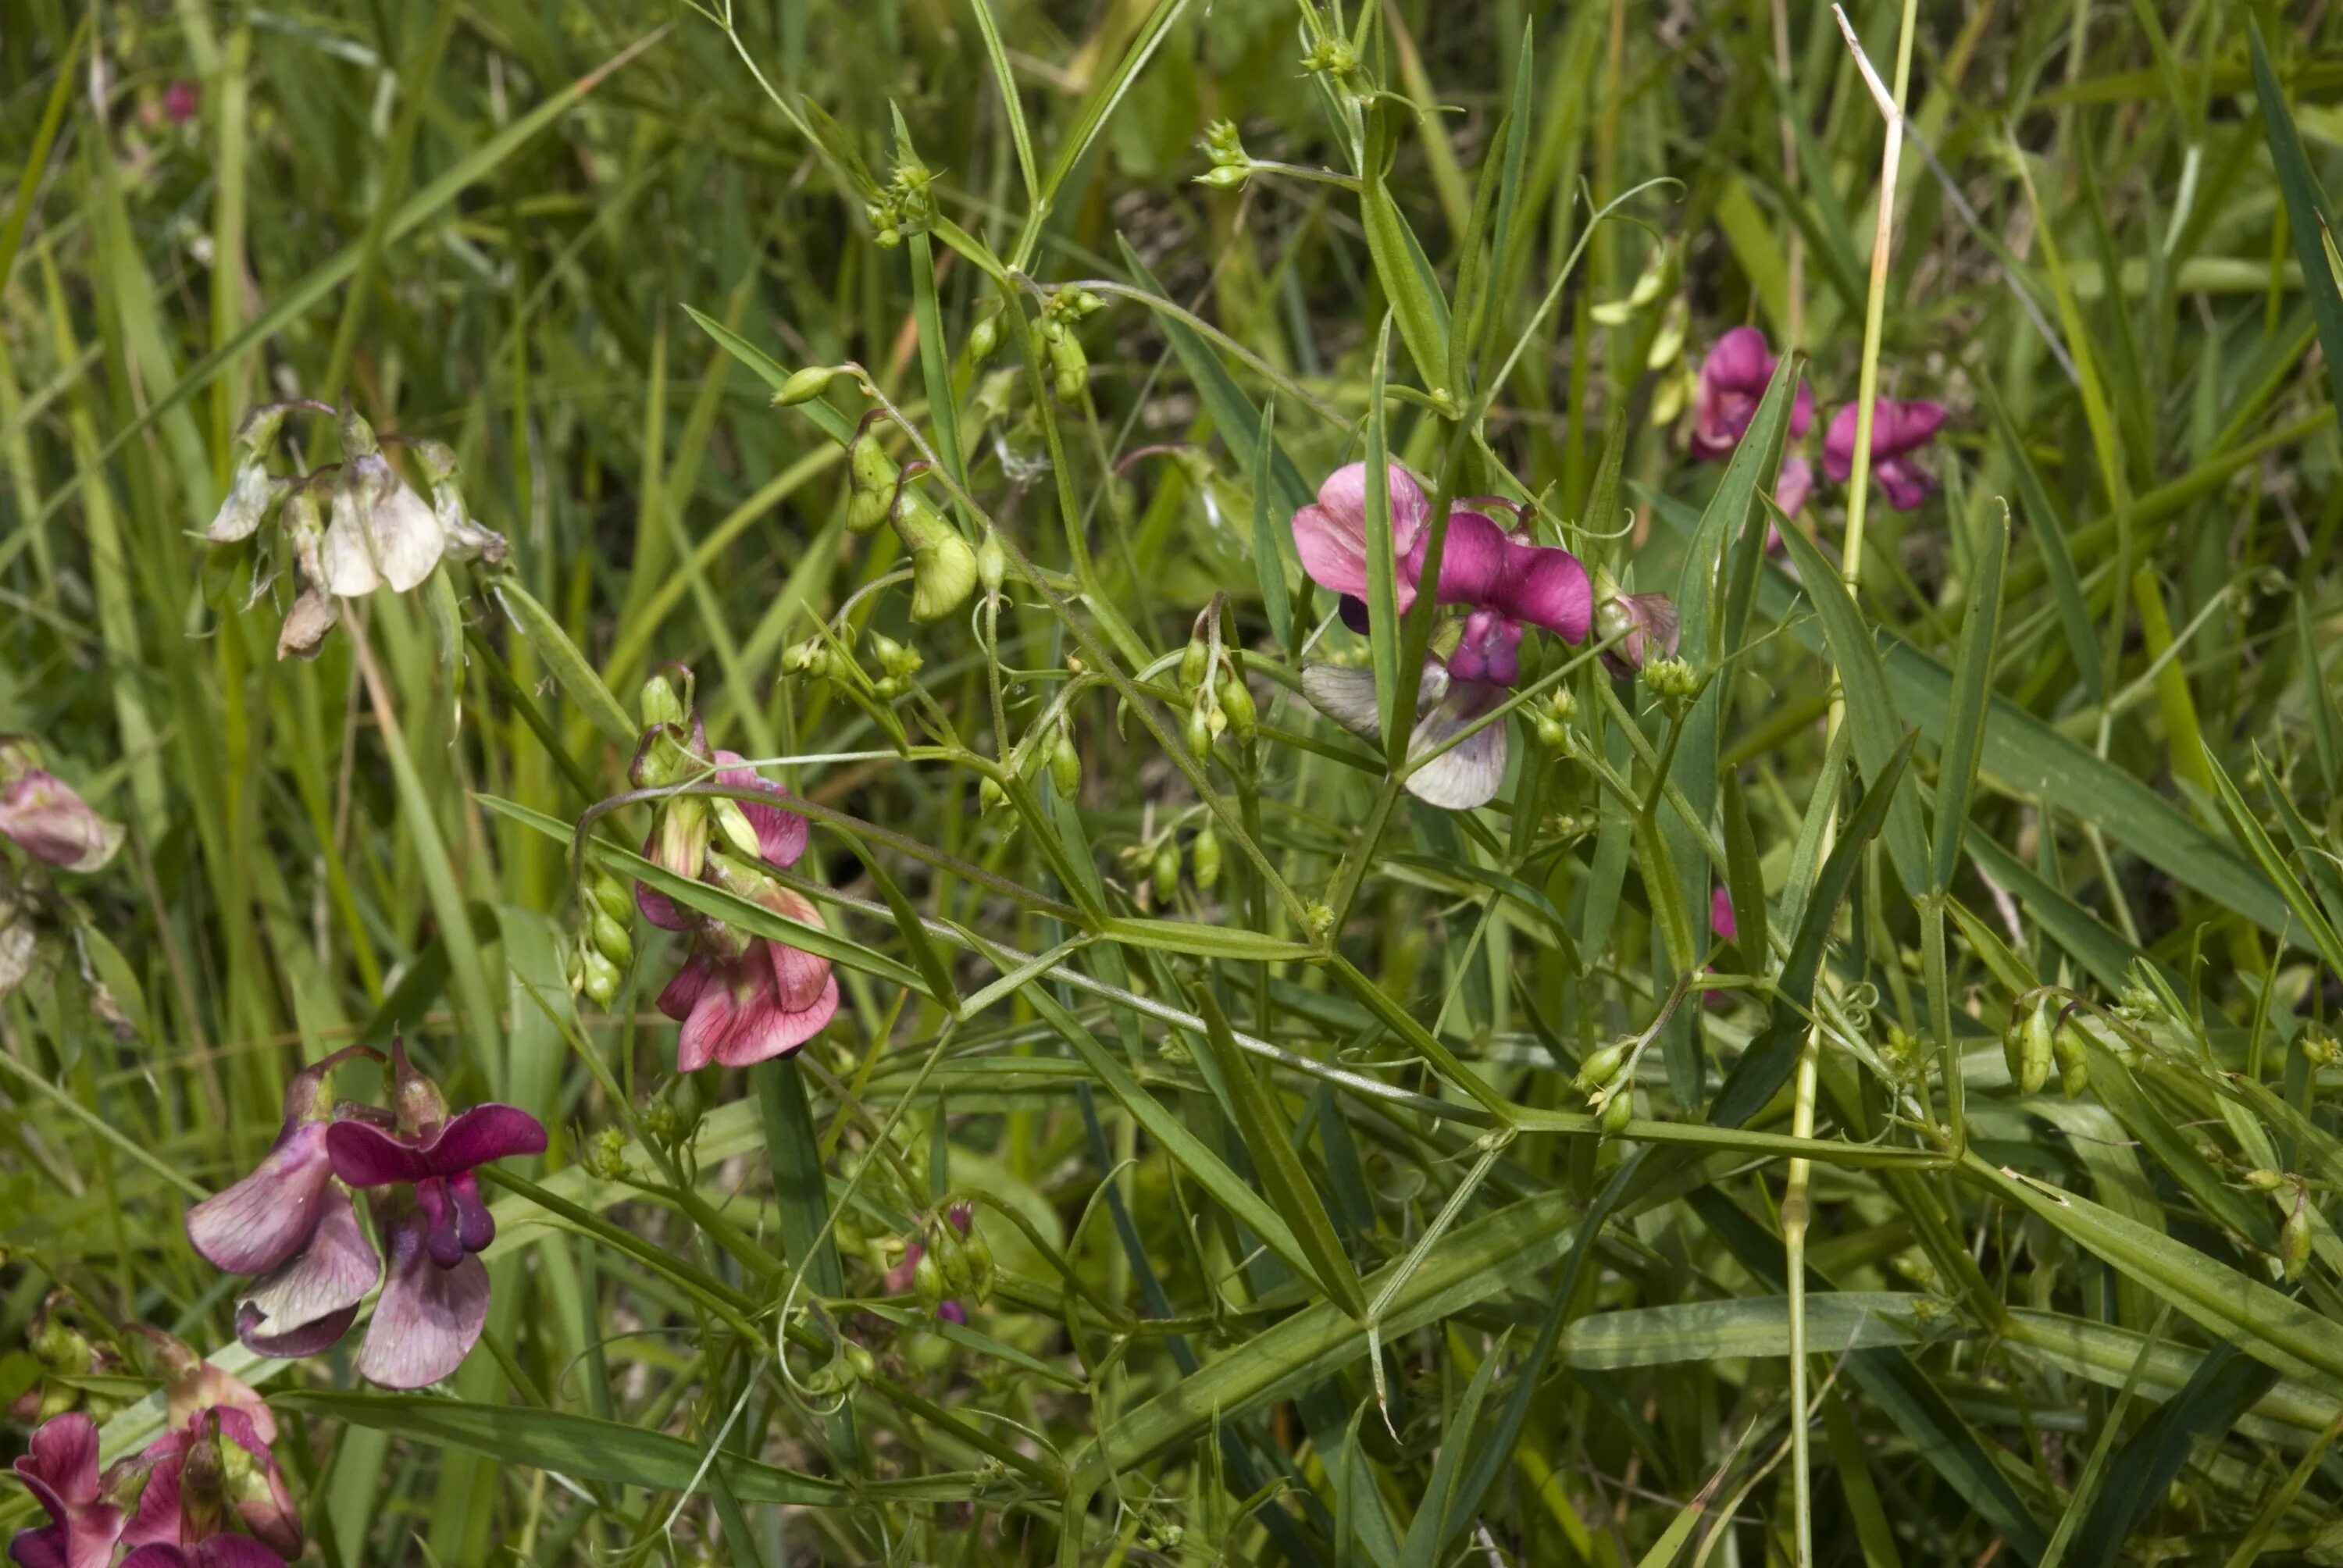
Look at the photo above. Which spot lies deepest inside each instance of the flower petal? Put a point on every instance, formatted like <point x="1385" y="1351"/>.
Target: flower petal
<point x="347" y="563"/>
<point x="781" y="833"/>
<point x="1794" y="485"/>
<point x="1345" y="695"/>
<point x="1720" y="916"/>
<point x="233" y="1552"/>
<point x="63" y="1460"/>
<point x="1907" y="484"/>
<point x="364" y="1155"/>
<point x="483" y="1133"/>
<point x="1471" y="772"/>
<point x="682" y="993"/>
<point x="408" y="537"/>
<point x="1331" y="536"/>
<point x="730" y="989"/>
<point x="1547" y="585"/>
<point x="273" y="1520"/>
<point x="765" y="1028"/>
<point x="50" y="821"/>
<point x="1474" y="559"/>
<point x="270" y="1215"/>
<point x="429" y="1318"/>
<point x="308" y="1303"/>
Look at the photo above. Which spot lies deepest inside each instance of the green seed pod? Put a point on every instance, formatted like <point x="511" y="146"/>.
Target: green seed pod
<point x="804" y="386"/>
<point x="928" y="1280"/>
<point x="981" y="1267"/>
<point x="991" y="562"/>
<point x="2013" y="1049"/>
<point x="1204" y="858"/>
<point x="610" y="939"/>
<point x="1236" y="701"/>
<point x="888" y="652"/>
<point x="2074" y="1061"/>
<point x="983" y="339"/>
<point x="1065" y="766"/>
<point x="860" y="1360"/>
<point x="943" y="567"/>
<point x="1070" y="368"/>
<point x="610" y="896"/>
<point x="1195" y="663"/>
<point x="1199" y="732"/>
<point x="1618" y="1109"/>
<point x="2294" y="1240"/>
<point x="1163" y="870"/>
<point x="2036" y="1050"/>
<point x="1553" y="733"/>
<point x="601" y="978"/>
<point x="1602" y="1067"/>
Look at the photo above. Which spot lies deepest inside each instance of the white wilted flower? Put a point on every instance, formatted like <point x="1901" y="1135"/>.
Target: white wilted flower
<point x="252" y="489"/>
<point x="466" y="539"/>
<point x="382" y="531"/>
<point x="314" y="613"/>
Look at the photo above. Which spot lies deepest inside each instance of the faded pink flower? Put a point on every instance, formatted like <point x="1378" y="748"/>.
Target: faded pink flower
<point x="1733" y="382"/>
<point x="44" y="815"/>
<point x="1897" y="430"/>
<point x="61" y="1473"/>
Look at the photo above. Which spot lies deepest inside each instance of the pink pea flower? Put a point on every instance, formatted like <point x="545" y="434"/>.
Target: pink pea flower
<point x="192" y="1384"/>
<point x="433" y="1222"/>
<point x="743" y="1000"/>
<point x="214" y="1497"/>
<point x="1897" y="430"/>
<point x="1733" y="382"/>
<point x="182" y="101"/>
<point x="61" y="1473"/>
<point x="292" y="1225"/>
<point x="1503" y="581"/>
<point x="43" y="816"/>
<point x="1727" y="928"/>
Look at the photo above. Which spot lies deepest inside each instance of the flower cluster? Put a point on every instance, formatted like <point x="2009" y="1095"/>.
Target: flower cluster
<point x="380" y="532"/>
<point x="944" y="1264"/>
<point x="206" y="1493"/>
<point x="742" y="999"/>
<point x="1732" y="379"/>
<point x="294" y="1224"/>
<point x="1503" y="582"/>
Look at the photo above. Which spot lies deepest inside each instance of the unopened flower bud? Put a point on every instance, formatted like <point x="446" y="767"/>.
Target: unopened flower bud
<point x="1553" y="733"/>
<point x="1618" y="1109"/>
<point x="1204" y="858"/>
<point x="810" y="657"/>
<point x="659" y="704"/>
<point x="983" y="339"/>
<point x="2294" y="1240"/>
<point x="605" y="1155"/>
<point x="611" y="938"/>
<point x="2264" y="1180"/>
<point x="992" y="561"/>
<point x="1225" y="176"/>
<point x="928" y="1280"/>
<point x="1163" y="870"/>
<point x="2073" y="1057"/>
<point x="1199" y="732"/>
<point x="1069" y="368"/>
<point x="991" y="796"/>
<point x="1602" y="1067"/>
<point x="870" y="477"/>
<point x="601" y="978"/>
<point x="2036" y="1049"/>
<point x="804" y="386"/>
<point x="610" y="896"/>
<point x="679" y="839"/>
<point x="2320" y="1049"/>
<point x="1195" y="663"/>
<point x="1065" y="766"/>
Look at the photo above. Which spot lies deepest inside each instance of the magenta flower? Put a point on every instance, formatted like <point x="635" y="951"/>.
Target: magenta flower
<point x="1502" y="580"/>
<point x="1733" y="382"/>
<point x="209" y="1483"/>
<point x="44" y="817"/>
<point x="433" y="1222"/>
<point x="61" y="1473"/>
<point x="1720" y="916"/>
<point x="1897" y="430"/>
<point x="743" y="1000"/>
<point x="1791" y="487"/>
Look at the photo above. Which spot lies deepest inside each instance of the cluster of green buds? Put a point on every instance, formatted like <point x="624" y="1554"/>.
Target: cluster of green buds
<point x="1677" y="385"/>
<point x="1552" y="721"/>
<point x="907" y="202"/>
<point x="954" y="1260"/>
<point x="1607" y="1078"/>
<point x="849" y="1364"/>
<point x="2037" y="1040"/>
<point x="943" y="564"/>
<point x="1069" y="368"/>
<point x="72" y="1365"/>
<point x="1232" y="164"/>
<point x="601" y="948"/>
<point x="2319" y="1048"/>
<point x="604" y="1155"/>
<point x="1219" y="701"/>
<point x="1657" y="277"/>
<point x="2293" y="1236"/>
<point x="1673" y="681"/>
<point x="674" y="1112"/>
<point x="1331" y="55"/>
<point x="1903" y="1055"/>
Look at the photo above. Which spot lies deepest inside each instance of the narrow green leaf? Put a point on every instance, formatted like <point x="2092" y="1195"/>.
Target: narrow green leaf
<point x="1436" y="1522"/>
<point x="1744" y="878"/>
<point x="1382" y="591"/>
<point x="567" y="665"/>
<point x="2247" y="831"/>
<point x="2050" y="536"/>
<point x="1262" y="1124"/>
<point x="916" y="940"/>
<point x="1964" y="724"/>
<point x="832" y="423"/>
<point x="2325" y="726"/>
<point x="2306" y="210"/>
<point x="1268" y="553"/>
<point x="1406" y="277"/>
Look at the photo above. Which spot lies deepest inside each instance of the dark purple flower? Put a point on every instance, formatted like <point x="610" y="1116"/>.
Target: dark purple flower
<point x="1897" y="430"/>
<point x="1502" y="580"/>
<point x="1733" y="382"/>
<point x="432" y="1220"/>
<point x="61" y="1473"/>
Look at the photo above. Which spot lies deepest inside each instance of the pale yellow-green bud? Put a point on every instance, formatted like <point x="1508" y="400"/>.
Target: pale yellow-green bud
<point x="943" y="567"/>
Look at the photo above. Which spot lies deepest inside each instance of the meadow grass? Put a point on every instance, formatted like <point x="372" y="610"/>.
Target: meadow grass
<point x="1860" y="1089"/>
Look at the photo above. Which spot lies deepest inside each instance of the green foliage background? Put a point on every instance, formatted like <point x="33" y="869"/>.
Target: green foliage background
<point x="1223" y="1158"/>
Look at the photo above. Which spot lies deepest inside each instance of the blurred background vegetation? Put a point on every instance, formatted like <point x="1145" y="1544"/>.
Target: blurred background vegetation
<point x="482" y="220"/>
